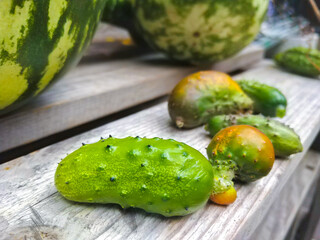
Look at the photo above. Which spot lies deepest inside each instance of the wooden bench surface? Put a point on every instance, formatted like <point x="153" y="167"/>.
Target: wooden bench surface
<point x="111" y="77"/>
<point x="30" y="204"/>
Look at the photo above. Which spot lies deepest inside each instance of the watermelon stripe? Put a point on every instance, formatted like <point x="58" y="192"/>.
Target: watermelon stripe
<point x="202" y="30"/>
<point x="52" y="40"/>
<point x="13" y="80"/>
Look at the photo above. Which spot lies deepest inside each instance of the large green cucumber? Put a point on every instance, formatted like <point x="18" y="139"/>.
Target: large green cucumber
<point x="283" y="138"/>
<point x="39" y="41"/>
<point x="159" y="176"/>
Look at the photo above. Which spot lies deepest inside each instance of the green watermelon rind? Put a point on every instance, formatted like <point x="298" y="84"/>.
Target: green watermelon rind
<point x="199" y="31"/>
<point x="48" y="37"/>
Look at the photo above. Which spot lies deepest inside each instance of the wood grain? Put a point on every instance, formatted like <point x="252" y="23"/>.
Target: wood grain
<point x="276" y="224"/>
<point x="29" y="202"/>
<point x="110" y="78"/>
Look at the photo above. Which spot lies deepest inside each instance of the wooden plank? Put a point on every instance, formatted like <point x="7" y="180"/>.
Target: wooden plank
<point x="283" y="211"/>
<point x="112" y="77"/>
<point x="28" y="195"/>
<point x="249" y="56"/>
<point x="90" y="92"/>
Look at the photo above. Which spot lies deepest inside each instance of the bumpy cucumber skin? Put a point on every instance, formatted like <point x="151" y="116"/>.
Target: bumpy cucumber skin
<point x="284" y="139"/>
<point x="159" y="176"/>
<point x="223" y="173"/>
<point x="242" y="152"/>
<point x="268" y="100"/>
<point x="300" y="60"/>
<point x="204" y="94"/>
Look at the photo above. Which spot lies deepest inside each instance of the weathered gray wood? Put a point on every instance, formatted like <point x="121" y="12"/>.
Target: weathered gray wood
<point x="286" y="205"/>
<point x="112" y="77"/>
<point x="28" y="195"/>
<point x="89" y="92"/>
<point x="244" y="60"/>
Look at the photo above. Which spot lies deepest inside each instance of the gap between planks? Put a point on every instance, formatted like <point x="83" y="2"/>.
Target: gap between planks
<point x="103" y="84"/>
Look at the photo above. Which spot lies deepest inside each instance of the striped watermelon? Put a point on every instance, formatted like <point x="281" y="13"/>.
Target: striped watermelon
<point x="199" y="30"/>
<point x="39" y="41"/>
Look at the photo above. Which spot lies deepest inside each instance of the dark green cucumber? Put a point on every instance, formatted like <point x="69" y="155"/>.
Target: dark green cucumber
<point x="157" y="175"/>
<point x="268" y="100"/>
<point x="283" y="138"/>
<point x="300" y="60"/>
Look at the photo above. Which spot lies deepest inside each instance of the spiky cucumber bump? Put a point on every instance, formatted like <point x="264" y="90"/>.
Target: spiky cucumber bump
<point x="39" y="42"/>
<point x="199" y="31"/>
<point x="202" y="95"/>
<point x="241" y="152"/>
<point x="223" y="173"/>
<point x="284" y="139"/>
<point x="268" y="100"/>
<point x="157" y="175"/>
<point x="300" y="60"/>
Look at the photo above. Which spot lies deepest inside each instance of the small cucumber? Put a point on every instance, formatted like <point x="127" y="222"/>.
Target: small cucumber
<point x="300" y="60"/>
<point x="157" y="175"/>
<point x="239" y="152"/>
<point x="268" y="100"/>
<point x="204" y="94"/>
<point x="283" y="138"/>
